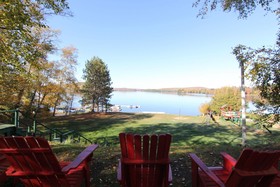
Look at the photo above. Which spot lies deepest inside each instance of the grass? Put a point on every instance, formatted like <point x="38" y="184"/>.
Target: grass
<point x="190" y="134"/>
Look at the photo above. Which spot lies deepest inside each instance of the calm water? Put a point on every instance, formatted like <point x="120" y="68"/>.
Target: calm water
<point x="153" y="102"/>
<point x="159" y="102"/>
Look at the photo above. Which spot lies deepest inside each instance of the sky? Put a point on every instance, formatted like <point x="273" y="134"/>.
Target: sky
<point x="161" y="43"/>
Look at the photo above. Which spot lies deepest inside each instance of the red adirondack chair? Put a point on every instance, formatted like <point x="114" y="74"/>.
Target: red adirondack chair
<point x="4" y="164"/>
<point x="34" y="164"/>
<point x="144" y="160"/>
<point x="276" y="181"/>
<point x="253" y="168"/>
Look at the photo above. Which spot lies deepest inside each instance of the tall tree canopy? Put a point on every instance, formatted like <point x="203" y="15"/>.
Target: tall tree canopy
<point x="243" y="7"/>
<point x="26" y="76"/>
<point x="97" y="89"/>
<point x="19" y="22"/>
<point x="262" y="64"/>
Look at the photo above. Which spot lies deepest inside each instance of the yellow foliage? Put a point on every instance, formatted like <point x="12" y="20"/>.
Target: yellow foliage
<point x="204" y="108"/>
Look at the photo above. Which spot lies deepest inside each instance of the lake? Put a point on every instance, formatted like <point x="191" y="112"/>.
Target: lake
<point x="155" y="102"/>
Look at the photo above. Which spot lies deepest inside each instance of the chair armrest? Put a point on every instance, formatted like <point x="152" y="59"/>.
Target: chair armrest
<point x="170" y="178"/>
<point x="80" y="158"/>
<point x="119" y="171"/>
<point x="228" y="161"/>
<point x="197" y="163"/>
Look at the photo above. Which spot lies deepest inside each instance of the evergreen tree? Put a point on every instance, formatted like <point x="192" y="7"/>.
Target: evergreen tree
<point x="97" y="89"/>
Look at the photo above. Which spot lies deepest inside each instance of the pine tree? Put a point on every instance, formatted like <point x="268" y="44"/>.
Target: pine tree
<point x="97" y="89"/>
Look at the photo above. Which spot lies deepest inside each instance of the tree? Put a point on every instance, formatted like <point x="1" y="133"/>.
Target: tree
<point x="204" y="108"/>
<point x="23" y="43"/>
<point x="19" y="20"/>
<point x="263" y="68"/>
<point x="64" y="78"/>
<point x="19" y="79"/>
<point x="229" y="96"/>
<point x="97" y="89"/>
<point x="263" y="64"/>
<point x="242" y="62"/>
<point x="243" y="7"/>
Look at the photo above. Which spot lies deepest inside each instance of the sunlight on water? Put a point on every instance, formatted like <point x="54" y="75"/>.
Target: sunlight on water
<point x="159" y="102"/>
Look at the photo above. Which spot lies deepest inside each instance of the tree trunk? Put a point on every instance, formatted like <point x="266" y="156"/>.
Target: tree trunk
<point x="243" y="103"/>
<point x="55" y="105"/>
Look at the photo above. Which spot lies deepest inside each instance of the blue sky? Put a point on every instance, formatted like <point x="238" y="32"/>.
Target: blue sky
<point x="161" y="43"/>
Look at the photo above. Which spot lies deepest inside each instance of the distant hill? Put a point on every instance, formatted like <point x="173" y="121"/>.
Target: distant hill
<point x="193" y="90"/>
<point x="181" y="91"/>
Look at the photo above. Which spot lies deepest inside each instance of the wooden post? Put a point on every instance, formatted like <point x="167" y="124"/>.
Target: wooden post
<point x="34" y="126"/>
<point x="16" y="122"/>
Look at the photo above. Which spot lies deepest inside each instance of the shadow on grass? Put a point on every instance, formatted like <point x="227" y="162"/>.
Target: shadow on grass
<point x="207" y="141"/>
<point x="92" y="121"/>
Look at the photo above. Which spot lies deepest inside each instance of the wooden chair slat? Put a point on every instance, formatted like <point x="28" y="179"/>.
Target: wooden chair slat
<point x="138" y="147"/>
<point x="146" y="143"/>
<point x="146" y="148"/>
<point x="130" y="146"/>
<point x="148" y="165"/>
<point x="244" y="158"/>
<point x="153" y="147"/>
<point x="123" y="144"/>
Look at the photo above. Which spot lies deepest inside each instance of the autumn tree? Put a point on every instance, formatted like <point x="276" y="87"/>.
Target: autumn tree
<point x="19" y="19"/>
<point x="229" y="96"/>
<point x="65" y="82"/>
<point x="24" y="45"/>
<point x="25" y="42"/>
<point x="97" y="88"/>
<point x="204" y="108"/>
<point x="16" y="80"/>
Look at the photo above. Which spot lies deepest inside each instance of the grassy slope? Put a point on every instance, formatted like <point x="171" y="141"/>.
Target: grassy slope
<point x="190" y="134"/>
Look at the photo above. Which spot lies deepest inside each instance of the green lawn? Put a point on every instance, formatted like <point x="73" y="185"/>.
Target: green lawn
<point x="190" y="134"/>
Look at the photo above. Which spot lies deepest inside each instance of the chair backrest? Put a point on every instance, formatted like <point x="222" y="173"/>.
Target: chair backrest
<point x="33" y="161"/>
<point x="254" y="168"/>
<point x="145" y="159"/>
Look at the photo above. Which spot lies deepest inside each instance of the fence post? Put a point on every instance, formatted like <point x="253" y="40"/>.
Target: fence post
<point x="34" y="126"/>
<point x="16" y="122"/>
<point x="50" y="136"/>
